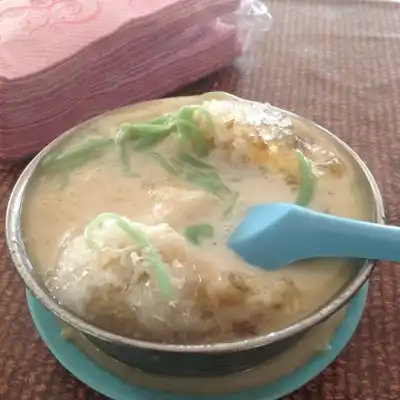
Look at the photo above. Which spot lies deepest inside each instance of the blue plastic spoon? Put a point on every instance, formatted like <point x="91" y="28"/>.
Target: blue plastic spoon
<point x="277" y="234"/>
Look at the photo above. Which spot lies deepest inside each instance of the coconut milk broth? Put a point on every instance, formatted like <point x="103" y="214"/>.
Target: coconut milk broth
<point x="57" y="208"/>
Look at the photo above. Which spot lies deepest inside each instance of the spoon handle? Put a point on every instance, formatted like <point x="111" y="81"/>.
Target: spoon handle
<point x="340" y="237"/>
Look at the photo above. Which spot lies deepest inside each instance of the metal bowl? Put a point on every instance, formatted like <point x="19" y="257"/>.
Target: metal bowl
<point x="187" y="360"/>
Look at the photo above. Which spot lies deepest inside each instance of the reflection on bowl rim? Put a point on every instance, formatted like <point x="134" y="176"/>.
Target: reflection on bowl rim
<point x="20" y="259"/>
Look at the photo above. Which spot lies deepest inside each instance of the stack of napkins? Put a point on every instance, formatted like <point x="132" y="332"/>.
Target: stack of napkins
<point x="64" y="61"/>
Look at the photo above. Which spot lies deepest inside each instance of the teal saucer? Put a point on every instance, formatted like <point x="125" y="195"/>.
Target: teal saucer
<point x="105" y="383"/>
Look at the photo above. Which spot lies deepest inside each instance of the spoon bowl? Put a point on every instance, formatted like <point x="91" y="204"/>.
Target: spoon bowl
<point x="276" y="234"/>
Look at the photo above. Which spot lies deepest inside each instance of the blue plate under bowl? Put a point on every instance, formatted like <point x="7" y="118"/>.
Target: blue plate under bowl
<point x="109" y="385"/>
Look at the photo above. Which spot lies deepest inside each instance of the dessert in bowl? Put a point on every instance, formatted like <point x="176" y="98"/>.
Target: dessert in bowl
<point x="119" y="227"/>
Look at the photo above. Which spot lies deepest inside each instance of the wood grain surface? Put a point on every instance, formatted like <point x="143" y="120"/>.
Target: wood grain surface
<point x="336" y="62"/>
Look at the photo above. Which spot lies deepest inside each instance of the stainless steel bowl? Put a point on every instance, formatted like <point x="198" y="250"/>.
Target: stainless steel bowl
<point x="186" y="360"/>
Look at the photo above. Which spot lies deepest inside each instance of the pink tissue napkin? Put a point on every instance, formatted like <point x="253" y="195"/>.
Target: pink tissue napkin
<point x="64" y="61"/>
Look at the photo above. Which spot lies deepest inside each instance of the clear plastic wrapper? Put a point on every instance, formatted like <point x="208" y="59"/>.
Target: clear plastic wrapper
<point x="252" y="19"/>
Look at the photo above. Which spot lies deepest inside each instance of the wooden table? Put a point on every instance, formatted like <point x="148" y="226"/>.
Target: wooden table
<point x="336" y="62"/>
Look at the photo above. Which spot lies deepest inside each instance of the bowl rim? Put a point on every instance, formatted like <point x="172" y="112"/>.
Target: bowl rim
<point x="25" y="269"/>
